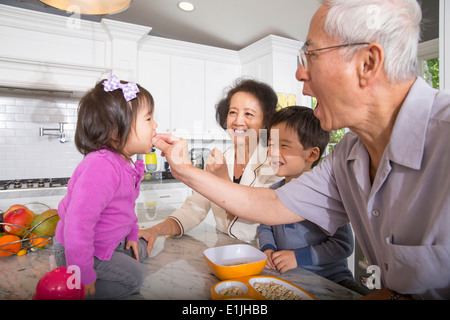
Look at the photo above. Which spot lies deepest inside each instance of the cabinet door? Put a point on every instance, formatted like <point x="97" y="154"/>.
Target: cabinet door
<point x="154" y="75"/>
<point x="219" y="77"/>
<point x="187" y="97"/>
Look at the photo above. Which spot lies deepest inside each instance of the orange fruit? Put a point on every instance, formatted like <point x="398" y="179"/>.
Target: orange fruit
<point x="38" y="241"/>
<point x="9" y="243"/>
<point x="22" y="252"/>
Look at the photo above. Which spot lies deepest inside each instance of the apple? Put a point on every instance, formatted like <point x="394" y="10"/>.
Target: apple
<point x="18" y="217"/>
<point x="14" y="207"/>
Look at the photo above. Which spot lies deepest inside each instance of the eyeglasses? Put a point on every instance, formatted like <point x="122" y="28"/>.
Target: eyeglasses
<point x="302" y="61"/>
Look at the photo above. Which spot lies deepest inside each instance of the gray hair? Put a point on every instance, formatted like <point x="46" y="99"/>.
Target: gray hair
<point x="394" y="24"/>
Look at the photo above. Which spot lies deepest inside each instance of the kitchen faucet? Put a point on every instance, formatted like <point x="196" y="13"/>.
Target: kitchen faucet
<point x="61" y="134"/>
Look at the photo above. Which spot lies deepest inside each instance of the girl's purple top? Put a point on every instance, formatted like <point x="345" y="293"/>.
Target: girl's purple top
<point x="98" y="210"/>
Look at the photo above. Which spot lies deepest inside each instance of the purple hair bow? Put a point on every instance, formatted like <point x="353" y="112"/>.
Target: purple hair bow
<point x="129" y="89"/>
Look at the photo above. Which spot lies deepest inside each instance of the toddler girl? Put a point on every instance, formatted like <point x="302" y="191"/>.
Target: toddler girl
<point x="98" y="229"/>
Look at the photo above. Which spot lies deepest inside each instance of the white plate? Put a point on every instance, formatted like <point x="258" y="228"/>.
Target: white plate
<point x="261" y="279"/>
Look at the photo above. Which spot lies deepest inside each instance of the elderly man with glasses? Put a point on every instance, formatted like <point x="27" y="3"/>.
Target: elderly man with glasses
<point x="389" y="175"/>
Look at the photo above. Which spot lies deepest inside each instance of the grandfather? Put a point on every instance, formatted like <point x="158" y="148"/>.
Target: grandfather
<point x="389" y="175"/>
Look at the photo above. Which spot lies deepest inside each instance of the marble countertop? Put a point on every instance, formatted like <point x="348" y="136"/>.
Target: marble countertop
<point x="176" y="268"/>
<point x="56" y="191"/>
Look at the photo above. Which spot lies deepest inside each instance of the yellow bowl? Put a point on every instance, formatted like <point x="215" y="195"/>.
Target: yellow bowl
<point x="235" y="261"/>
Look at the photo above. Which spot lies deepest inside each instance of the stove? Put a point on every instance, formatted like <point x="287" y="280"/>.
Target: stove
<point x="33" y="183"/>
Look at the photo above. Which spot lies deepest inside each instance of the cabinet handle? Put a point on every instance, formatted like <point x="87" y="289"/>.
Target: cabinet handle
<point x="164" y="197"/>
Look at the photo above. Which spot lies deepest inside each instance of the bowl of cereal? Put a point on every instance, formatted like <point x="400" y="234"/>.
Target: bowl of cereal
<point x="235" y="261"/>
<point x="258" y="288"/>
<point x="230" y="290"/>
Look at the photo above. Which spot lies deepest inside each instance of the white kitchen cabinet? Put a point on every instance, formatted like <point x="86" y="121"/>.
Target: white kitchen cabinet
<point x="167" y="195"/>
<point x="186" y="81"/>
<point x="154" y="75"/>
<point x="219" y="76"/>
<point x="273" y="60"/>
<point x="187" y="96"/>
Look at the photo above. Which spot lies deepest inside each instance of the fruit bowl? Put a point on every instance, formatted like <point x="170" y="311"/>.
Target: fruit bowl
<point x="31" y="231"/>
<point x="235" y="261"/>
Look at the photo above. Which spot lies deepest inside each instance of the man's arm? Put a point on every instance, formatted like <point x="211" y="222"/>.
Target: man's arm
<point x="251" y="203"/>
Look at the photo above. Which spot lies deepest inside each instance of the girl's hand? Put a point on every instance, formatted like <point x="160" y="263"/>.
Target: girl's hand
<point x="217" y="164"/>
<point x="150" y="235"/>
<point x="89" y="289"/>
<point x="269" y="262"/>
<point x="134" y="245"/>
<point x="284" y="260"/>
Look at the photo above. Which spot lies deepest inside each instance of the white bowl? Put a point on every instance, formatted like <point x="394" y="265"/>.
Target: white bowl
<point x="230" y="284"/>
<point x="235" y="261"/>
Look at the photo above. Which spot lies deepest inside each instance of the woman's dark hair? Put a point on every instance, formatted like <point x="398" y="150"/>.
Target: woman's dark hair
<point x="105" y="118"/>
<point x="303" y="121"/>
<point x="264" y="93"/>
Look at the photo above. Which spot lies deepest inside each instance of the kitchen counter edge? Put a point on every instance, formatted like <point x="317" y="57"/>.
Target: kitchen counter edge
<point x="55" y="191"/>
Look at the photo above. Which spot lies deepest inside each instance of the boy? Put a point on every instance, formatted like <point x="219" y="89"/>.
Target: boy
<point x="296" y="145"/>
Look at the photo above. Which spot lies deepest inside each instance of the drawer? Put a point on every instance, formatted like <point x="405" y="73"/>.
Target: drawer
<point x="169" y="196"/>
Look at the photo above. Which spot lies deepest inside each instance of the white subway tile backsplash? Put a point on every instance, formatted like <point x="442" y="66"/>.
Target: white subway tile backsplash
<point x="6" y="117"/>
<point x="23" y="153"/>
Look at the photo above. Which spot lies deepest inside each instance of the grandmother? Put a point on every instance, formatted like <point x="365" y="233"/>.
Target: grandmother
<point x="244" y="112"/>
<point x="389" y="175"/>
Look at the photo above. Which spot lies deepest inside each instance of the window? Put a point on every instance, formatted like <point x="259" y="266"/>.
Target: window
<point x="431" y="72"/>
<point x="429" y="62"/>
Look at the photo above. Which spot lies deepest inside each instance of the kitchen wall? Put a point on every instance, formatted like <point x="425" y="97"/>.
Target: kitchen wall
<point x="23" y="153"/>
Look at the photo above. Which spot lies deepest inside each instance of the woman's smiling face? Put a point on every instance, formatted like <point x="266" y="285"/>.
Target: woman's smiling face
<point x="245" y="117"/>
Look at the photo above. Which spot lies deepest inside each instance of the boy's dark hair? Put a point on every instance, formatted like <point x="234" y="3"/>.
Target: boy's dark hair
<point x="104" y="116"/>
<point x="303" y="121"/>
<point x="263" y="92"/>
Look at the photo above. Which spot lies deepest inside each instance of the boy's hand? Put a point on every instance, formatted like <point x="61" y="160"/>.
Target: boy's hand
<point x="284" y="260"/>
<point x="269" y="262"/>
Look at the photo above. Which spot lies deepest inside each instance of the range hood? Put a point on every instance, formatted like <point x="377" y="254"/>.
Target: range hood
<point x="41" y="92"/>
<point x="49" y="54"/>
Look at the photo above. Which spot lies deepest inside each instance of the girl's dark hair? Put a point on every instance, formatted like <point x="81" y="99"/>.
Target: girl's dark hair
<point x="303" y="121"/>
<point x="105" y="118"/>
<point x="264" y="93"/>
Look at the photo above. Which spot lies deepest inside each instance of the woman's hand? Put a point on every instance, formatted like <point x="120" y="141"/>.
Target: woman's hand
<point x="150" y="235"/>
<point x="217" y="164"/>
<point x="168" y="227"/>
